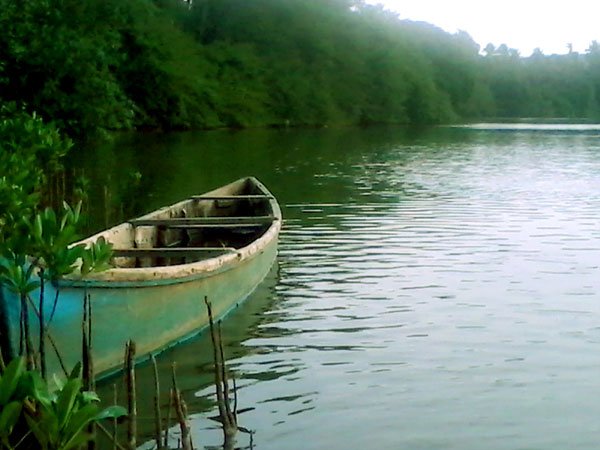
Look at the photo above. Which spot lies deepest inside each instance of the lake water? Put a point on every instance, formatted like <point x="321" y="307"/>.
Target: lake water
<point x="435" y="289"/>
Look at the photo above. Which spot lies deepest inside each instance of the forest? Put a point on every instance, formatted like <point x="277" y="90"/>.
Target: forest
<point x="96" y="66"/>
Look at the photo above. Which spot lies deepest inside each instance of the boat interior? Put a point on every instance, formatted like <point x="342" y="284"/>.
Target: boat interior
<point x="201" y="227"/>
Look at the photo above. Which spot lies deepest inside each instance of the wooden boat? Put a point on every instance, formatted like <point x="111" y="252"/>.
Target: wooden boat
<point x="218" y="245"/>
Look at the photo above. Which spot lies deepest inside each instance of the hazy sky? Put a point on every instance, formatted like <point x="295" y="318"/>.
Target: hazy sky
<point x="523" y="24"/>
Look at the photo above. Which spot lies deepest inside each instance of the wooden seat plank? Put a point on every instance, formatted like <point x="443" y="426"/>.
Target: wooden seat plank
<point x="234" y="197"/>
<point x="171" y="252"/>
<point x="198" y="226"/>
<point x="224" y="220"/>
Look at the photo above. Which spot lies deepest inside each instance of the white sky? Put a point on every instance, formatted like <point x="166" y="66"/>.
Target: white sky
<point x="524" y="24"/>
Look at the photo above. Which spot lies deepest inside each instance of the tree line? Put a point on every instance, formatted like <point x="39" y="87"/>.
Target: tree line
<point x="92" y="66"/>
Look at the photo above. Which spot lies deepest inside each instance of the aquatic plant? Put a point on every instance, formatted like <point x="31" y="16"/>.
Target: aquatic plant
<point x="33" y="415"/>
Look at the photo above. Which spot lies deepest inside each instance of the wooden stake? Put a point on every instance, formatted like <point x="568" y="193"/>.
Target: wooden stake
<point x="131" y="395"/>
<point x="168" y="424"/>
<point x="157" y="415"/>
<point x="181" y="412"/>
<point x="217" y="371"/>
<point x="227" y="418"/>
<point x="232" y="418"/>
<point x="88" y="364"/>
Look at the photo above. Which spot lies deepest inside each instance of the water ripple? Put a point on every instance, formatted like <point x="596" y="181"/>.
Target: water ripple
<point x="435" y="295"/>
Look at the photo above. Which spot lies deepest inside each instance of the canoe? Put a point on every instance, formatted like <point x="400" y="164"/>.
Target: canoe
<point x="219" y="245"/>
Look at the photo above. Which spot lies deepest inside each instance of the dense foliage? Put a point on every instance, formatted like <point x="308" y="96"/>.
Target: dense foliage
<point x="30" y="154"/>
<point x="96" y="65"/>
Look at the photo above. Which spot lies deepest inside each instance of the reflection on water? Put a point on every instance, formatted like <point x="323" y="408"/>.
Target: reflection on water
<point x="434" y="289"/>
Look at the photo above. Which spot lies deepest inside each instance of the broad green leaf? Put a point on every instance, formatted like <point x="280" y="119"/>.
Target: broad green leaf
<point x="31" y="286"/>
<point x="39" y="390"/>
<point x="10" y="379"/>
<point x="59" y="382"/>
<point x="76" y="372"/>
<point x="79" y="420"/>
<point x="9" y="417"/>
<point x="112" y="412"/>
<point x="89" y="397"/>
<point x="66" y="401"/>
<point x="38" y="229"/>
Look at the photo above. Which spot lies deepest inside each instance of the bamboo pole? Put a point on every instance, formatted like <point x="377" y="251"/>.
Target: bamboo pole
<point x="157" y="415"/>
<point x="225" y="379"/>
<point x="217" y="372"/>
<point x="131" y="394"/>
<point x="168" y="424"/>
<point x="181" y="413"/>
<point x="227" y="417"/>
<point x="88" y="363"/>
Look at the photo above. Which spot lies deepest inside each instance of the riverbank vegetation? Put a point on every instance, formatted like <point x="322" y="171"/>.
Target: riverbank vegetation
<point x="56" y="408"/>
<point x="100" y="65"/>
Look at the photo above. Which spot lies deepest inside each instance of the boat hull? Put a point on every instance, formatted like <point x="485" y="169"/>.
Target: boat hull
<point x="155" y="314"/>
<point x="154" y="306"/>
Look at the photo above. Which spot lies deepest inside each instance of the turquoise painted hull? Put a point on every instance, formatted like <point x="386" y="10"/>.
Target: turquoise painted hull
<point x="156" y="307"/>
<point x="154" y="315"/>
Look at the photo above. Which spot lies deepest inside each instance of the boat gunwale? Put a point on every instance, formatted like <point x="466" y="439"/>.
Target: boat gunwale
<point x="121" y="277"/>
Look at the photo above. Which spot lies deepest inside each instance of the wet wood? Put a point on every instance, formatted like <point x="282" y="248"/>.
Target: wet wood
<point x="168" y="424"/>
<point x="223" y="220"/>
<point x="180" y="266"/>
<point x="227" y="417"/>
<point x="234" y="197"/>
<point x="181" y="413"/>
<point x="89" y="383"/>
<point x="157" y="415"/>
<point x="131" y="394"/>
<point x="171" y="252"/>
<point x="217" y="225"/>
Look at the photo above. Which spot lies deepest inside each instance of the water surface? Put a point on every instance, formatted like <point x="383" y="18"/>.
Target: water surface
<point x="435" y="289"/>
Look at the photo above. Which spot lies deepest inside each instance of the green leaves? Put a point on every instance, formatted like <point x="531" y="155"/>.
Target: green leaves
<point x="30" y="153"/>
<point x="57" y="420"/>
<point x="52" y="235"/>
<point x="10" y="379"/>
<point x="8" y="419"/>
<point x="61" y="423"/>
<point x="51" y="238"/>
<point x="15" y="274"/>
<point x="96" y="257"/>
